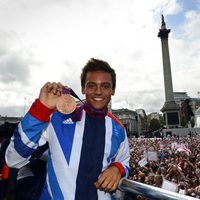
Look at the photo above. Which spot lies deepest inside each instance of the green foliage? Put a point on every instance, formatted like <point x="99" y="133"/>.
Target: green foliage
<point x="154" y="125"/>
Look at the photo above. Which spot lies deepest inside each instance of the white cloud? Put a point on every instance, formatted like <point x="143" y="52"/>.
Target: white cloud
<point x="192" y="27"/>
<point x="51" y="40"/>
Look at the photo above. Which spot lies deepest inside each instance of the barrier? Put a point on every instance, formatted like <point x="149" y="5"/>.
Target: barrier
<point x="151" y="192"/>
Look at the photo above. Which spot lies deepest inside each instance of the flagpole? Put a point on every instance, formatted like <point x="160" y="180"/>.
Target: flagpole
<point x="24" y="105"/>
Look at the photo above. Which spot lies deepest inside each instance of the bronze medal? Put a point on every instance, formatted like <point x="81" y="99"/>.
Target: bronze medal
<point x="66" y="104"/>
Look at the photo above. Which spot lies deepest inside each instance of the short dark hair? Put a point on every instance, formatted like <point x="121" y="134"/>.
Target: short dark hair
<point x="97" y="65"/>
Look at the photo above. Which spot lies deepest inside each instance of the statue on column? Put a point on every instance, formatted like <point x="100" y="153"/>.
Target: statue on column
<point x="163" y="25"/>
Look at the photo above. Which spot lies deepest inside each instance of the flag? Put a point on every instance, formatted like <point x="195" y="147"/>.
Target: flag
<point x="184" y="149"/>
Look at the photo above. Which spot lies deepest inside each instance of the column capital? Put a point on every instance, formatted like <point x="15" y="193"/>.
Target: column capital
<point x="163" y="33"/>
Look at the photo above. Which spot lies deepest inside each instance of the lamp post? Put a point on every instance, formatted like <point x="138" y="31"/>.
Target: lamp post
<point x="24" y="105"/>
<point x="198" y="99"/>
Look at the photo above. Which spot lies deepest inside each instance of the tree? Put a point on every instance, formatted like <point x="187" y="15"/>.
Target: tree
<point x="154" y="125"/>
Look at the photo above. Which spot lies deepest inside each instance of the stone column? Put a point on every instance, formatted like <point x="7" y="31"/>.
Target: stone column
<point x="170" y="108"/>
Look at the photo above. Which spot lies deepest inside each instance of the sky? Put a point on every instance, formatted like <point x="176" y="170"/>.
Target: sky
<point x="51" y="40"/>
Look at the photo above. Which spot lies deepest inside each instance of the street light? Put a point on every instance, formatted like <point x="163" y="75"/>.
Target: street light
<point x="24" y="106"/>
<point x="198" y="98"/>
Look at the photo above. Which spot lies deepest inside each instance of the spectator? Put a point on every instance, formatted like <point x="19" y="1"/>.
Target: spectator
<point x="178" y="162"/>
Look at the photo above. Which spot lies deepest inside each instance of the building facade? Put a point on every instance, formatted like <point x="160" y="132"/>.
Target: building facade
<point x="129" y="119"/>
<point x="4" y="119"/>
<point x="135" y="122"/>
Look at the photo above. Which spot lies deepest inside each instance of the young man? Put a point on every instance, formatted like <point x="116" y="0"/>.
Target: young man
<point x="88" y="154"/>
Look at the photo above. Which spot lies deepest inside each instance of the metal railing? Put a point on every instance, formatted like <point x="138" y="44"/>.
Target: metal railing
<point x="151" y="192"/>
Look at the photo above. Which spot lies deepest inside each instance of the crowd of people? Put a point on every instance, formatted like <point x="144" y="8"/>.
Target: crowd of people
<point x="171" y="163"/>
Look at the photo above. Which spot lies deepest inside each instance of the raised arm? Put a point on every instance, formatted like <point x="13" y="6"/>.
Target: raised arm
<point x="27" y="136"/>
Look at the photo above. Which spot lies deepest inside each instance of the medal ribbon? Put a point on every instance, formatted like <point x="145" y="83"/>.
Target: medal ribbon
<point x="85" y="105"/>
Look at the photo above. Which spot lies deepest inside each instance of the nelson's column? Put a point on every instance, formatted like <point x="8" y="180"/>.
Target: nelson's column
<point x="170" y="109"/>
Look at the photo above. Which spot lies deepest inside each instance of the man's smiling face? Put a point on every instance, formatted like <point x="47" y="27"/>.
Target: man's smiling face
<point x="98" y="89"/>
